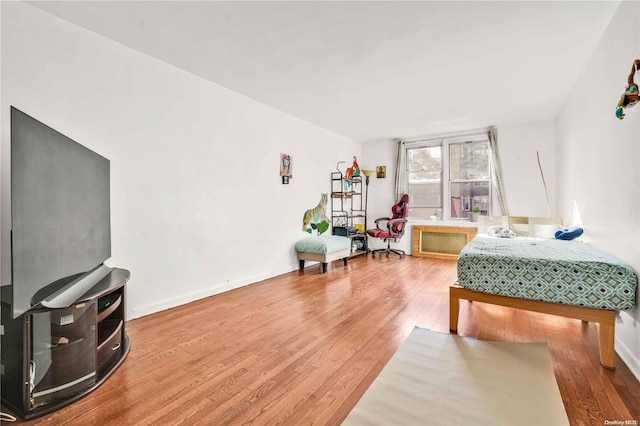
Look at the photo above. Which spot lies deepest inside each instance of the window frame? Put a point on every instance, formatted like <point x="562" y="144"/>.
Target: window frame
<point x="445" y="175"/>
<point x="425" y="144"/>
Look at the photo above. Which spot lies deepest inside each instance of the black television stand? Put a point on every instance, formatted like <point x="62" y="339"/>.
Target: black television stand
<point x="52" y="357"/>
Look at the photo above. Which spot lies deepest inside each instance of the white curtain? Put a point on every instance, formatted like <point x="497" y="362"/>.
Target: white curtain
<point x="401" y="171"/>
<point x="497" y="171"/>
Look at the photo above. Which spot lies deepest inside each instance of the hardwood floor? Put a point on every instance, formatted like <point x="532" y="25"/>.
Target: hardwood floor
<point x="302" y="348"/>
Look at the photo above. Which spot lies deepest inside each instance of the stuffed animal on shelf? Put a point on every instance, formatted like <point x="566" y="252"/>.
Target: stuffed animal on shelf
<point x="349" y="176"/>
<point x="356" y="167"/>
<point x="631" y="96"/>
<point x="352" y="171"/>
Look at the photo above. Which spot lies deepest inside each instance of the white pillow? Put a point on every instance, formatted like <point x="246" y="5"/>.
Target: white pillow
<point x="500" y="232"/>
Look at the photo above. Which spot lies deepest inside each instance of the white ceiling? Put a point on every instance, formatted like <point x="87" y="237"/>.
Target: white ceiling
<point x="369" y="70"/>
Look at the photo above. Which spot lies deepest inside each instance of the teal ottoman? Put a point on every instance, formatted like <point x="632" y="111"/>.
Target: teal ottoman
<point x="323" y="249"/>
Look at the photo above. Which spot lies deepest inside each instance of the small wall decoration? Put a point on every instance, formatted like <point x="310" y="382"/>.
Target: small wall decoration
<point x="285" y="168"/>
<point x="316" y="218"/>
<point x="381" y="172"/>
<point x="630" y="97"/>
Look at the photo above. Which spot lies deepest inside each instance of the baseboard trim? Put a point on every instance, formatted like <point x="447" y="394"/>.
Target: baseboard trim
<point x="211" y="291"/>
<point x="630" y="359"/>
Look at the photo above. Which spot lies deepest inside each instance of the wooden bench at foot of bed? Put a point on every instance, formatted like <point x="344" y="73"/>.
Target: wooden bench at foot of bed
<point x="604" y="318"/>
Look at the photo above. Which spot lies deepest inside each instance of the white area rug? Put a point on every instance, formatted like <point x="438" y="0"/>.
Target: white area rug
<point x="444" y="379"/>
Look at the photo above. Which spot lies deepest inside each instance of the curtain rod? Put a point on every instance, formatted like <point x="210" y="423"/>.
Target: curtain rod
<point x="446" y="135"/>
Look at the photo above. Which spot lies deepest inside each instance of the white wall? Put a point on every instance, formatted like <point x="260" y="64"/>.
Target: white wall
<point x="517" y="145"/>
<point x="525" y="190"/>
<point x="198" y="206"/>
<point x="598" y="158"/>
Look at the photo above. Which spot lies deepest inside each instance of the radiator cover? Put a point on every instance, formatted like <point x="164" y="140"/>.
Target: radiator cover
<point x="443" y="242"/>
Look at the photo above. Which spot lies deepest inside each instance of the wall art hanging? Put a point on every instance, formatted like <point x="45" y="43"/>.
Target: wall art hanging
<point x="630" y="97"/>
<point x="316" y="219"/>
<point x="285" y="168"/>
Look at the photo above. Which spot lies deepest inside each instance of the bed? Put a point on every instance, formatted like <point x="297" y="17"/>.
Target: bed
<point x="567" y="278"/>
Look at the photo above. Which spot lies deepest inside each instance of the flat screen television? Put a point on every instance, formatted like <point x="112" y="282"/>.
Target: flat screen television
<point x="60" y="216"/>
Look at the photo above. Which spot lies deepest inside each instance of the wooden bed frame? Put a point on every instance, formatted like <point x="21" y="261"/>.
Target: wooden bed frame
<point x="604" y="318"/>
<point x="522" y="225"/>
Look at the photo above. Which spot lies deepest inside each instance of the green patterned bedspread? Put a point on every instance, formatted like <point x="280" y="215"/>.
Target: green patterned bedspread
<point x="568" y="272"/>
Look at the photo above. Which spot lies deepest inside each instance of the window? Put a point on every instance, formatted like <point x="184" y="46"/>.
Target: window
<point x="424" y="173"/>
<point x="457" y="170"/>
